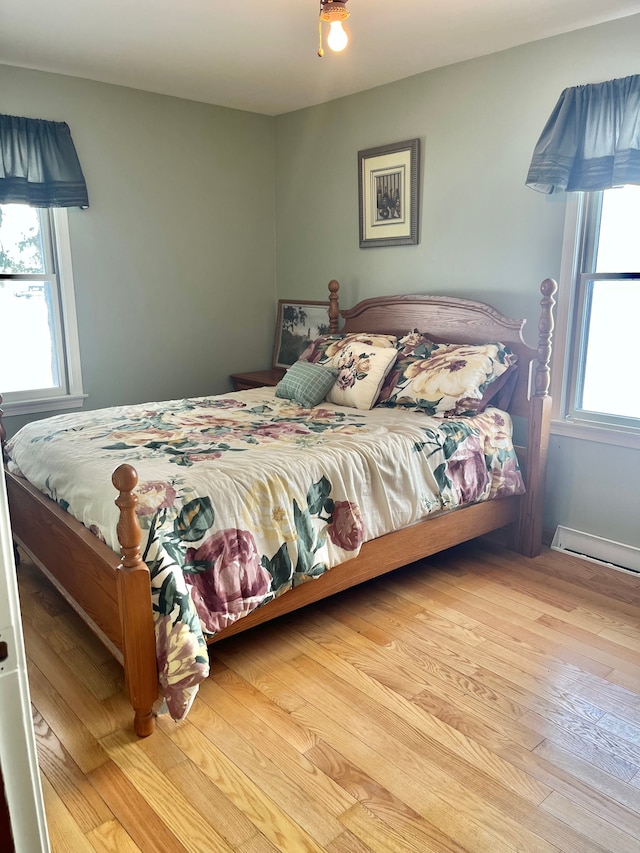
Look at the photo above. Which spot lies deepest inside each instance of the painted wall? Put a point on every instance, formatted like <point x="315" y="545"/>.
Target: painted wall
<point x="483" y="234"/>
<point x="176" y="253"/>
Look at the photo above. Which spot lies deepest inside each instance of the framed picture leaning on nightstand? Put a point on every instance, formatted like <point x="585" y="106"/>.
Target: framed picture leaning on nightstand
<point x="299" y="322"/>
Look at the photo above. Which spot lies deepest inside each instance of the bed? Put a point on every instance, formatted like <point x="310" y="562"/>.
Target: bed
<point x="117" y="596"/>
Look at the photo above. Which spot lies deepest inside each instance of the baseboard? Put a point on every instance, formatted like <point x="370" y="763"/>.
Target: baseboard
<point x="615" y="555"/>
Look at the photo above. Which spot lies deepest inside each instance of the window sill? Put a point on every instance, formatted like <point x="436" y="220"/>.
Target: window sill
<point x="44" y="404"/>
<point x="603" y="435"/>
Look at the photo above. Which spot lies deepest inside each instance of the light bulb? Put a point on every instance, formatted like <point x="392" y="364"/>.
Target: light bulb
<point x="338" y="38"/>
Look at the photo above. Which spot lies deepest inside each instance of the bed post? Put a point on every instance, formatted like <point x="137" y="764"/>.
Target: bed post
<point x="334" y="311"/>
<point x="529" y="538"/>
<point x="136" y="616"/>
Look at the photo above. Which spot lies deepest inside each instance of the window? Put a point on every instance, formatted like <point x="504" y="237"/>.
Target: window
<point x="39" y="355"/>
<point x="599" y="305"/>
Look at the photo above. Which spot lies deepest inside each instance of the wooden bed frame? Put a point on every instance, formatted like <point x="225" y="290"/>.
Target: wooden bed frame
<point x="113" y="595"/>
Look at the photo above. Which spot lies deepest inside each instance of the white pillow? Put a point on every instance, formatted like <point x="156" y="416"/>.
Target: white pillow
<point x="361" y="372"/>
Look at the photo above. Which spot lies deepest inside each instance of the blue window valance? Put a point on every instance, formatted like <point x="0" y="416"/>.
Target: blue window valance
<point x="592" y="139"/>
<point x="39" y="165"/>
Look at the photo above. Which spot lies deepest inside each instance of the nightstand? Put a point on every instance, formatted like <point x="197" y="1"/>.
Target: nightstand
<point x="256" y="378"/>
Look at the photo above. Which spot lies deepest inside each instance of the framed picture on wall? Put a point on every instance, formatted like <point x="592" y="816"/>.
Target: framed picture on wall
<point x="298" y="323"/>
<point x="388" y="194"/>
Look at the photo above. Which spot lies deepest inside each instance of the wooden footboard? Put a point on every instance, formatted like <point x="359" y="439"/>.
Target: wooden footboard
<point x="113" y="598"/>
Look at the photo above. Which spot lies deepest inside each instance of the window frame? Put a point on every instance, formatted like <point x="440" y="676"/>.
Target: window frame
<point x="582" y="221"/>
<point x="69" y="394"/>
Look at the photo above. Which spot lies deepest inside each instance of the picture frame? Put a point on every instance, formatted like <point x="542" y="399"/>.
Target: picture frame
<point x="388" y="194"/>
<point x="299" y="321"/>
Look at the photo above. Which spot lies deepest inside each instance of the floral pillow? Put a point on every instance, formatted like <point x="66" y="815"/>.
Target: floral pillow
<point x="415" y="343"/>
<point x="361" y="372"/>
<point x="450" y="379"/>
<point x="412" y="346"/>
<point x="324" y="349"/>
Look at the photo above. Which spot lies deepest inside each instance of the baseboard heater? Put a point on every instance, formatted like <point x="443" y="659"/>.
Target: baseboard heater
<point x="615" y="555"/>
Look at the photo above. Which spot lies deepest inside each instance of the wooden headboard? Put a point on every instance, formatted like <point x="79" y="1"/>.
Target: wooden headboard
<point x="454" y="320"/>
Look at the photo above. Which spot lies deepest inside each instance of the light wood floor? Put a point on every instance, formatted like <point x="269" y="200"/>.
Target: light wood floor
<point x="476" y="701"/>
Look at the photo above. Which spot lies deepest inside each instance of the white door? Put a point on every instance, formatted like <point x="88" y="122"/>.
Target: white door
<point x="18" y="758"/>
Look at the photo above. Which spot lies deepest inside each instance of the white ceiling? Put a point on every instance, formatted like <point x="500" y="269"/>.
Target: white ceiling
<point x="260" y="55"/>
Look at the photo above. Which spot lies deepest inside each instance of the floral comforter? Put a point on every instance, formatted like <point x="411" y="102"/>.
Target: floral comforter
<point x="243" y="496"/>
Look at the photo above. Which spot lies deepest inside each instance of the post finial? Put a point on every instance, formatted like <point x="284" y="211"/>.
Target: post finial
<point x="125" y="479"/>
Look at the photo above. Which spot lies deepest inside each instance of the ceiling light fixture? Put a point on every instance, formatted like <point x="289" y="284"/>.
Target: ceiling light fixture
<point x="334" y="12"/>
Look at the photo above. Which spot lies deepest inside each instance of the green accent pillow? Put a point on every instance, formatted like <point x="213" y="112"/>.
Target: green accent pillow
<point x="306" y="383"/>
